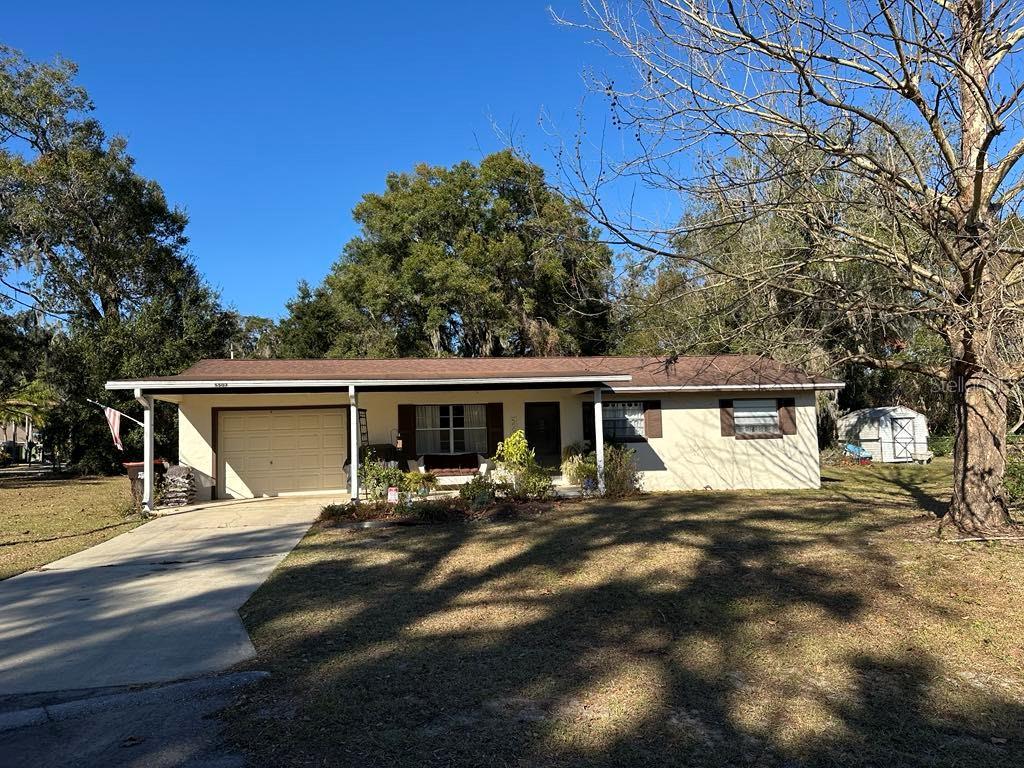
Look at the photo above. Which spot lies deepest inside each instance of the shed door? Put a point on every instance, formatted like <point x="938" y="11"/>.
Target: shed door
<point x="902" y="438"/>
<point x="273" y="452"/>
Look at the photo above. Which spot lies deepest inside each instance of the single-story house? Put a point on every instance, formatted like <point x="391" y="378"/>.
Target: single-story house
<point x="269" y="427"/>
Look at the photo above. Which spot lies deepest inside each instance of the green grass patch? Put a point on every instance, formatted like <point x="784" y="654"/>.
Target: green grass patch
<point x="44" y="519"/>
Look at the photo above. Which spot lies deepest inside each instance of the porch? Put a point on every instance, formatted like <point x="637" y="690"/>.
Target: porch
<point x="251" y="445"/>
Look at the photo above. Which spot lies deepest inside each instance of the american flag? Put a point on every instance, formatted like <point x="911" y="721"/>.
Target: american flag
<point x="114" y="422"/>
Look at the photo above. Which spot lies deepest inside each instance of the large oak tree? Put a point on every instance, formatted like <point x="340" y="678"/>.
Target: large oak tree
<point x="97" y="250"/>
<point x="469" y="260"/>
<point x="864" y="157"/>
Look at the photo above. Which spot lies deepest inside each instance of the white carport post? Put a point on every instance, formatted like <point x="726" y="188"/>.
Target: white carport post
<point x="599" y="439"/>
<point x="147" y="450"/>
<point x="353" y="440"/>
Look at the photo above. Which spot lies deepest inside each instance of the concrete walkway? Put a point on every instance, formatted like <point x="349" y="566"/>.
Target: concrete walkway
<point x="155" y="604"/>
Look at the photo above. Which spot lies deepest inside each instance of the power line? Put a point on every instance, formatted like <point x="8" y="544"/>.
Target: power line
<point x="35" y="307"/>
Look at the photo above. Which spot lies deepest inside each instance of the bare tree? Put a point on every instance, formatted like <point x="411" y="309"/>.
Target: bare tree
<point x="886" y="133"/>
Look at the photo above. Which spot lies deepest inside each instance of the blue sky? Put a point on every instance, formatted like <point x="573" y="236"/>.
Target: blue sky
<point x="267" y="122"/>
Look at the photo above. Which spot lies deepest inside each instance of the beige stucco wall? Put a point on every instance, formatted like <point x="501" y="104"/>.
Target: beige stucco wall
<point x="691" y="454"/>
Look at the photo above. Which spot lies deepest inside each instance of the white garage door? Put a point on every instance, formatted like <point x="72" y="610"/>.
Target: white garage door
<point x="268" y="453"/>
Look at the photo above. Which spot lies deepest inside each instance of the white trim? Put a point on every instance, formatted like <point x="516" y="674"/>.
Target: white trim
<point x="342" y="383"/>
<point x="147" y="451"/>
<point x="353" y="444"/>
<point x="599" y="440"/>
<point x="729" y="387"/>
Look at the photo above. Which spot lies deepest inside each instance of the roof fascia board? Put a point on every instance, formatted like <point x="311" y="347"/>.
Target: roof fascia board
<point x="730" y="387"/>
<point x="228" y="385"/>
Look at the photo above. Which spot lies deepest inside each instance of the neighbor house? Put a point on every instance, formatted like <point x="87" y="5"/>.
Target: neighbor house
<point x="18" y="435"/>
<point x="270" y="427"/>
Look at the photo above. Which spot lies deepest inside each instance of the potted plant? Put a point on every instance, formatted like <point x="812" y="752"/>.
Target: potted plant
<point x="418" y="483"/>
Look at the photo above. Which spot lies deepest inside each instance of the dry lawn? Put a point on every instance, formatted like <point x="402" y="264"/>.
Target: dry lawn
<point x="42" y="520"/>
<point x="770" y="629"/>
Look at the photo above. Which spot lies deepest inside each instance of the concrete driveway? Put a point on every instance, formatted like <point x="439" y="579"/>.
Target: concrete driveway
<point x="155" y="604"/>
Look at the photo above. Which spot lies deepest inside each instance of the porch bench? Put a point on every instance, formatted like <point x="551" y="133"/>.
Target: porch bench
<point x="451" y="468"/>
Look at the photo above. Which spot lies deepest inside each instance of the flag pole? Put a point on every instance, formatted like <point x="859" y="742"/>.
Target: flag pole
<point x="101" y="405"/>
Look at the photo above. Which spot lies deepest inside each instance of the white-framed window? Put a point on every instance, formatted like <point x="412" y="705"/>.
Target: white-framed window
<point x="623" y="420"/>
<point x="755" y="417"/>
<point x="451" y="428"/>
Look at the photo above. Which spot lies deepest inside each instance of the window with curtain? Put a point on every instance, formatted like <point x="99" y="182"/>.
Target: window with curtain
<point x="623" y="420"/>
<point x="451" y="428"/>
<point x="756" y="417"/>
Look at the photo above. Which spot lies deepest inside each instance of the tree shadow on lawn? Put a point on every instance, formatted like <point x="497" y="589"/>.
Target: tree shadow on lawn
<point x="915" y="482"/>
<point x="128" y="521"/>
<point x="705" y="630"/>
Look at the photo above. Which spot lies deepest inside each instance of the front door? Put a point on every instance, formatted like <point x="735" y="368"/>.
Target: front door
<point x="544" y="433"/>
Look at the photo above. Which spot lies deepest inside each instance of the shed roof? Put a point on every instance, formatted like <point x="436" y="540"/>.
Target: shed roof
<point x="877" y="412"/>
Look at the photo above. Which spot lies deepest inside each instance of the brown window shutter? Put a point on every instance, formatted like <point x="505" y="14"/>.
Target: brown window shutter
<point x="725" y="411"/>
<point x="588" y="422"/>
<point x="652" y="418"/>
<point x="787" y="415"/>
<point x="407" y="430"/>
<point x="495" y="427"/>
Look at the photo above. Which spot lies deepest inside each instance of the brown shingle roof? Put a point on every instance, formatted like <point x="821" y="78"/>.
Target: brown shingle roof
<point x="695" y="371"/>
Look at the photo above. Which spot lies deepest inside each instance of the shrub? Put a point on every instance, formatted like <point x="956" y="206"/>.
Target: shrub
<point x="514" y="453"/>
<point x="423" y="509"/>
<point x="367" y="510"/>
<point x="435" y="510"/>
<point x="334" y="511"/>
<point x="376" y="477"/>
<point x="1014" y="477"/>
<point x="578" y="448"/>
<point x="532" y="485"/>
<point x="94" y="461"/>
<point x="621" y="477"/>
<point x="580" y="469"/>
<point x="941" y="445"/>
<point x="517" y="464"/>
<point x="478" y="492"/>
<point x="427" y="510"/>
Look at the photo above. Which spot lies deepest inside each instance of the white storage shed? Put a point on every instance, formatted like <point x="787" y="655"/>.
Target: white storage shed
<point x="889" y="433"/>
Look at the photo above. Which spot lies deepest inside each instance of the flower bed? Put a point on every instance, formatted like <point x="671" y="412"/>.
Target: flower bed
<point x="444" y="509"/>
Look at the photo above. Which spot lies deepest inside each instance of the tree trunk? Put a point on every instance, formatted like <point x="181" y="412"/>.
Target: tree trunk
<point x="979" y="502"/>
